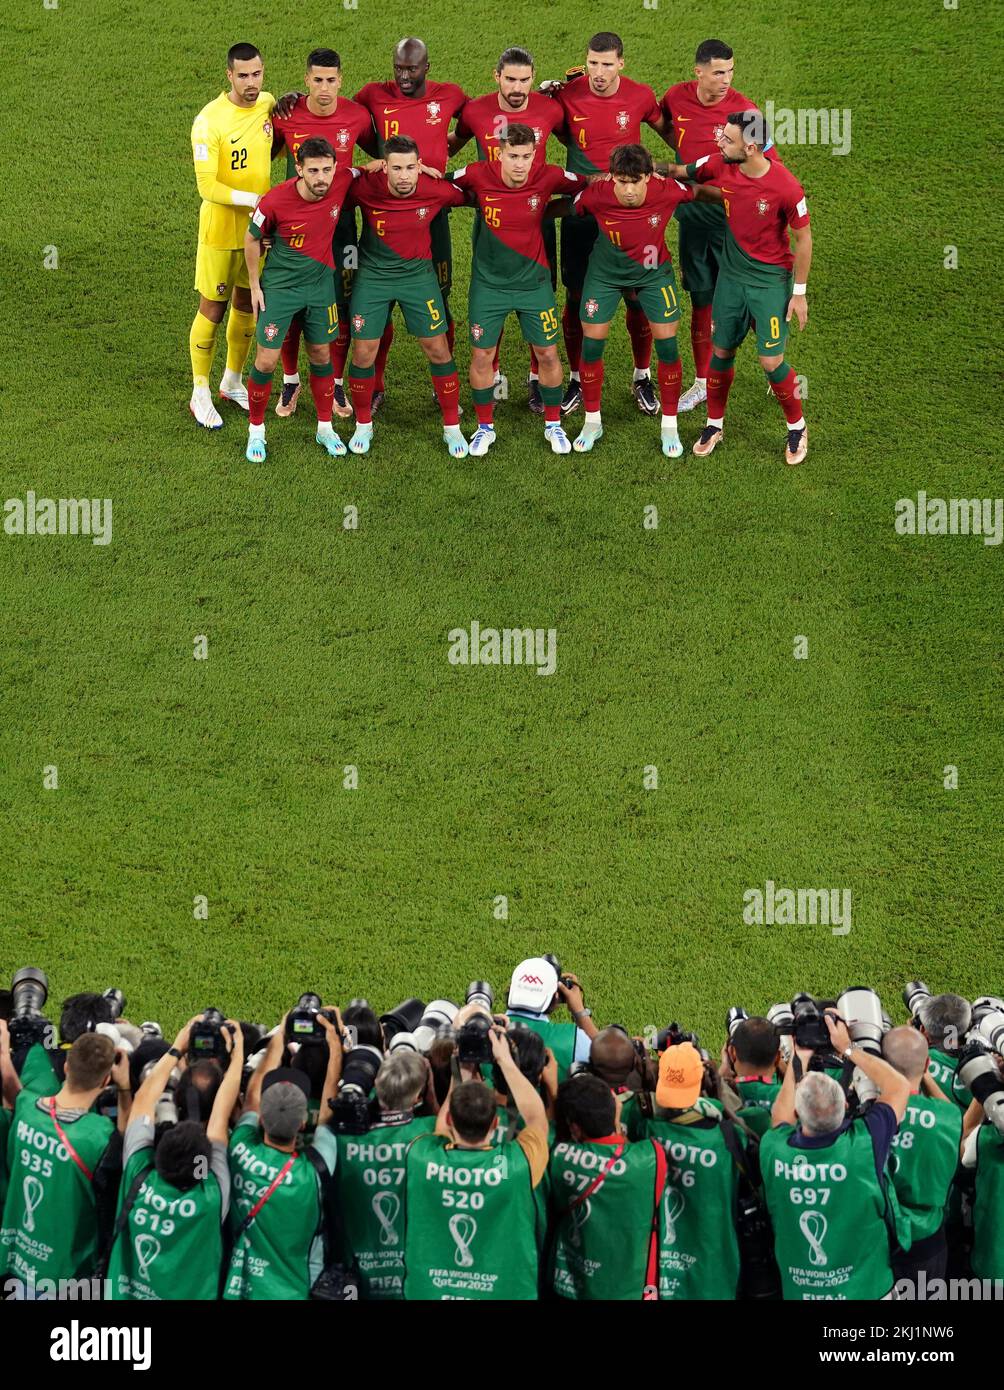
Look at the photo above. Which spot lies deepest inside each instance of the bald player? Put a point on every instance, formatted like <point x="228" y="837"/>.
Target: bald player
<point x="412" y="106"/>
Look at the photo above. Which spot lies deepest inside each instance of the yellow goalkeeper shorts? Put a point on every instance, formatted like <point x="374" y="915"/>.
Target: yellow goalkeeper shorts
<point x="217" y="272"/>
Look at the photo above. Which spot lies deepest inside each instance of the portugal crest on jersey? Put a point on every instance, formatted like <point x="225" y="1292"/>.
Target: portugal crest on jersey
<point x="423" y="212"/>
<point x="271" y="331"/>
<point x="534" y="202"/>
<point x="221" y="288"/>
<point x="267" y="128"/>
<point x="358" y="322"/>
<point x="342" y="139"/>
<point x="538" y="134"/>
<point x="622" y="120"/>
<point x="719" y="132"/>
<point x="653" y="220"/>
<point x="592" y="308"/>
<point x="477" y="332"/>
<point x="335" y="211"/>
<point x="433" y="108"/>
<point x="762" y="206"/>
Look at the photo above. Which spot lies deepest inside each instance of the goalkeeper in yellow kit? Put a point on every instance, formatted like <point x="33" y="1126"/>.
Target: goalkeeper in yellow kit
<point x="232" y="150"/>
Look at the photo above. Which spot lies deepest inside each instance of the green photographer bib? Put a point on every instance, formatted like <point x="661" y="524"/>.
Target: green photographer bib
<point x="988" y="1205"/>
<point x="471" y="1223"/>
<point x="758" y="1098"/>
<point x="371" y="1169"/>
<point x="942" y="1068"/>
<point x="50" y="1224"/>
<point x="925" y="1155"/>
<point x="698" y="1245"/>
<point x="279" y="1255"/>
<point x="559" y="1037"/>
<point x="172" y="1244"/>
<point x="601" y="1244"/>
<point x="5" y="1119"/>
<point x="827" y="1208"/>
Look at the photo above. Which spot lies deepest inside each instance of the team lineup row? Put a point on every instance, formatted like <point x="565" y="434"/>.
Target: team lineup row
<point x="745" y="243"/>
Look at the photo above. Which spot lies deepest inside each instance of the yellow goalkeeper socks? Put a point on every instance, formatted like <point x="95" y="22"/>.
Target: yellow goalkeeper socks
<point x="240" y="331"/>
<point x="201" y="345"/>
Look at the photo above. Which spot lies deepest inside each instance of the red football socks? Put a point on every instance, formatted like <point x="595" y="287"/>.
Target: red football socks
<point x="381" y="357"/>
<point x="786" y="392"/>
<point x="361" y="390"/>
<point x="700" y="339"/>
<point x="258" y="394"/>
<point x="640" y="332"/>
<point x="670" y="375"/>
<point x="291" y="350"/>
<point x="322" y="388"/>
<point x="571" y="328"/>
<point x="447" y="389"/>
<point x="340" y="348"/>
<point x="591" y="377"/>
<point x="719" y="385"/>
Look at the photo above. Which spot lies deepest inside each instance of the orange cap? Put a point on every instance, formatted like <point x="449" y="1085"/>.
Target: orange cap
<point x="681" y="1072"/>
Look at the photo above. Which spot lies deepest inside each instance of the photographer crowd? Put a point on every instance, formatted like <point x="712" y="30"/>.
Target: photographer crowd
<point x="457" y="1151"/>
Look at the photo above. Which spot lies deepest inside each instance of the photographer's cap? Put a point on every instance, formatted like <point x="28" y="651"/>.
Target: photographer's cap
<point x="285" y="1094"/>
<point x="680" y="1074"/>
<point x="533" y="985"/>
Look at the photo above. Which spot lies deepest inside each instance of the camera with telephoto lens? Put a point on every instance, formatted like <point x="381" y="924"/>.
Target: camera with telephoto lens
<point x="736" y="1015"/>
<point x="808" y="1025"/>
<point x="673" y="1035"/>
<point x="978" y="1071"/>
<point x="915" y="992"/>
<point x="29" y="990"/>
<point x="302" y="1025"/>
<point x="473" y="1039"/>
<point x="987" y="1022"/>
<point x="352" y="1111"/>
<point x="166" y="1110"/>
<point x="206" y="1041"/>
<point x="436" y="1022"/>
<point x="861" y="1010"/>
<point x="481" y="993"/>
<point x="116" y="1002"/>
<point x="404" y="1019"/>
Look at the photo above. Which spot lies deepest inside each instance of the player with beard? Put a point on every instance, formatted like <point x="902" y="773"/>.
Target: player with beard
<point x="509" y="275"/>
<point x="411" y="105"/>
<point x="485" y="118"/>
<point x="761" y="284"/>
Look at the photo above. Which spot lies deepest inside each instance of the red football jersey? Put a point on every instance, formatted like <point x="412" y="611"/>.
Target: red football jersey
<point x="426" y="119"/>
<point x="635" y="231"/>
<point x="301" y="232"/>
<point x="759" y="211"/>
<point x="594" y="126"/>
<point x="397" y="229"/>
<point x="696" y="127"/>
<point x="484" y="118"/>
<point x="509" y="249"/>
<point x="341" y="128"/>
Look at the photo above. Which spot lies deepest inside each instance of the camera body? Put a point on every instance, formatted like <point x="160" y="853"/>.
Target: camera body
<point x="206" y="1041"/>
<point x="29" y="990"/>
<point x="302" y="1025"/>
<point x="473" y="1041"/>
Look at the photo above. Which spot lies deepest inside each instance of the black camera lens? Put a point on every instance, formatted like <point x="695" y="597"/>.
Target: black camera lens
<point x="29" y="991"/>
<point x="405" y="1018"/>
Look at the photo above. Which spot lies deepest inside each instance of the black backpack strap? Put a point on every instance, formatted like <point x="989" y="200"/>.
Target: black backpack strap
<point x="332" y="1230"/>
<point x="122" y="1220"/>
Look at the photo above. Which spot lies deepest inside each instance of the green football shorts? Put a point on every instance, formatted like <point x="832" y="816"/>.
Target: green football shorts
<point x="489" y="305"/>
<point x="657" y="294"/>
<point x="375" y="292"/>
<point x="319" y="321"/>
<point x="739" y="305"/>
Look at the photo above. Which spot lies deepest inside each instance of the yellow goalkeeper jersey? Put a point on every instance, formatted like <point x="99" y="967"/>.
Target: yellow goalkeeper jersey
<point x="232" y="148"/>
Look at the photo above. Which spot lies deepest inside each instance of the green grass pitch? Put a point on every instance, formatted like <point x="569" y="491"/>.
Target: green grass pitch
<point x="327" y="647"/>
